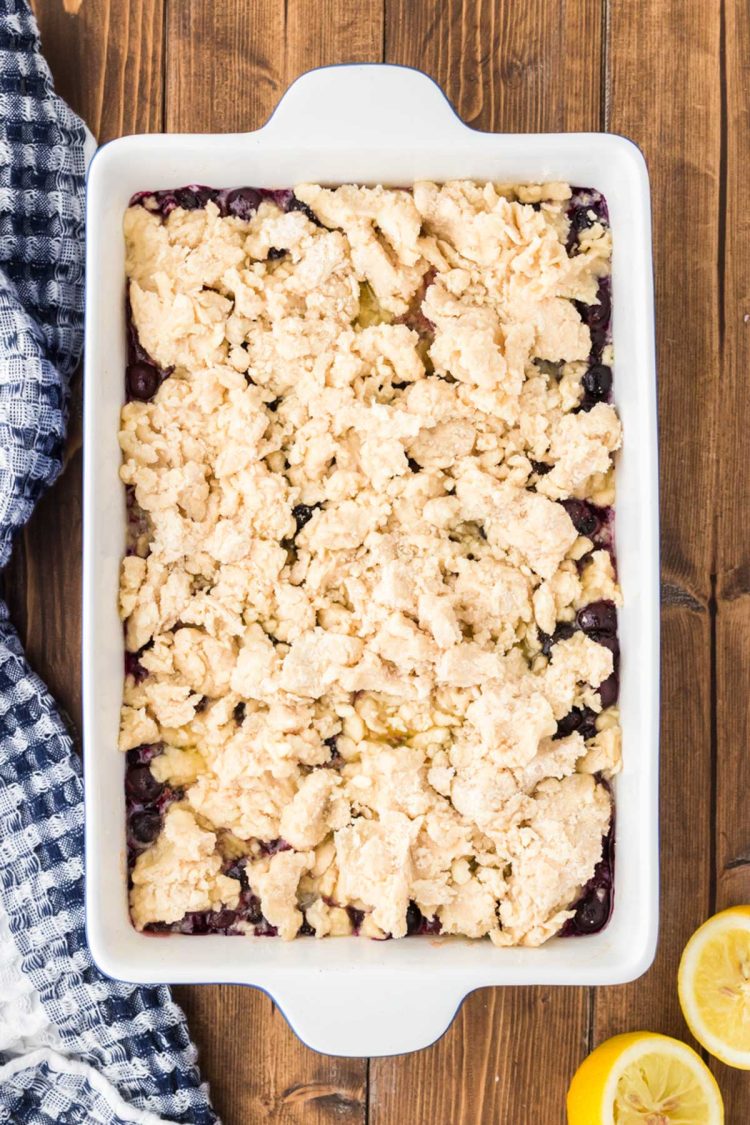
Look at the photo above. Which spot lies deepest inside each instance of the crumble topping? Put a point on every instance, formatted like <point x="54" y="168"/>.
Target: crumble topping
<point x="368" y="515"/>
<point x="180" y="873"/>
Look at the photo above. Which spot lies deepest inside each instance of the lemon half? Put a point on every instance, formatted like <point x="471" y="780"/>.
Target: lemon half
<point x="714" y="986"/>
<point x="644" y="1079"/>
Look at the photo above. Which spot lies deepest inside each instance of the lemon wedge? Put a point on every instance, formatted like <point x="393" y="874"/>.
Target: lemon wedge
<point x="714" y="986"/>
<point x="644" y="1079"/>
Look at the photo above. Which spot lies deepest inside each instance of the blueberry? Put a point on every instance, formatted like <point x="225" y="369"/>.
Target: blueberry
<point x="306" y="930"/>
<point x="583" y="518"/>
<point x="265" y="929"/>
<point x="416" y="923"/>
<point x="271" y="847"/>
<point x="563" y="631"/>
<point x="569" y="723"/>
<point x="597" y="317"/>
<point x="597" y="382"/>
<point x="239" y="713"/>
<point x="221" y="921"/>
<point x="282" y="197"/>
<point x="540" y="468"/>
<point x="242" y="202"/>
<point x="599" y="314"/>
<point x="186" y="924"/>
<point x="238" y="871"/>
<point x="251" y="910"/>
<point x="609" y="690"/>
<point x="158" y="928"/>
<point x="295" y="204"/>
<point x="197" y="922"/>
<point x="581" y="216"/>
<point x="134" y="668"/>
<point x="593" y="912"/>
<point x="608" y="640"/>
<point x="413" y="465"/>
<point x="142" y="381"/>
<point x="581" y="219"/>
<point x="587" y="728"/>
<point x="191" y="198"/>
<point x="186" y="198"/>
<point x="145" y="826"/>
<point x="141" y="785"/>
<point x="414" y="919"/>
<point x="303" y="513"/>
<point x="274" y="254"/>
<point x="356" y="917"/>
<point x="580" y="719"/>
<point x="598" y="617"/>
<point x="140" y="755"/>
<point x="593" y="909"/>
<point x="335" y="758"/>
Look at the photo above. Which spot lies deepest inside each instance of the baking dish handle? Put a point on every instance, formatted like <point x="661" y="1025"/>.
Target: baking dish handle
<point x="359" y="1017"/>
<point x="346" y="102"/>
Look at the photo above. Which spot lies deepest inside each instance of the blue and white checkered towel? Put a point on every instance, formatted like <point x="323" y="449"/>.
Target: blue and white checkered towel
<point x="74" y="1046"/>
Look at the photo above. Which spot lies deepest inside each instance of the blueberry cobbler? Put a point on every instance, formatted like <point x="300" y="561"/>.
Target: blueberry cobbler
<point x="369" y="595"/>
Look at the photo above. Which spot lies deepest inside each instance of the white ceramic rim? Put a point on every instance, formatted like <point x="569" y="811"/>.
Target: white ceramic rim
<point x="351" y="996"/>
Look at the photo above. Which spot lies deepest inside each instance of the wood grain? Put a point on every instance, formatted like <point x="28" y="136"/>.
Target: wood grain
<point x="42" y="586"/>
<point x="106" y="59"/>
<point x="654" y="49"/>
<point x="514" y="67"/>
<point x="508" y="1057"/>
<point x="229" y="62"/>
<point x="732" y="548"/>
<point x="506" y="66"/>
<point x="225" y="64"/>
<point x="258" y="1069"/>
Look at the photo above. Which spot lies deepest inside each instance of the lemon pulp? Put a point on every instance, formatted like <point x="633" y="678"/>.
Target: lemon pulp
<point x="722" y="988"/>
<point x="714" y="985"/>
<point x="656" y="1090"/>
<point x="644" y="1078"/>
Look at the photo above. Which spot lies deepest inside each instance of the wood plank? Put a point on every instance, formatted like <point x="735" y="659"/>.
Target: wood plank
<point x="106" y="58"/>
<point x="43" y="591"/>
<point x="680" y="136"/>
<point x="732" y="827"/>
<point x="257" y="1068"/>
<point x="506" y="66"/>
<point x="732" y="839"/>
<point x="229" y="62"/>
<point x="681" y="139"/>
<point x="227" y="65"/>
<point x="507" y="1057"/>
<point x="510" y="1053"/>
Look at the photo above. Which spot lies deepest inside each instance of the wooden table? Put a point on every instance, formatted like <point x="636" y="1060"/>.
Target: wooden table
<point x="669" y="74"/>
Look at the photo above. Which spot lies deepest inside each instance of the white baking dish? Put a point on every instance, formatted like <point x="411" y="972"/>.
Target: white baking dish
<point x="372" y="124"/>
